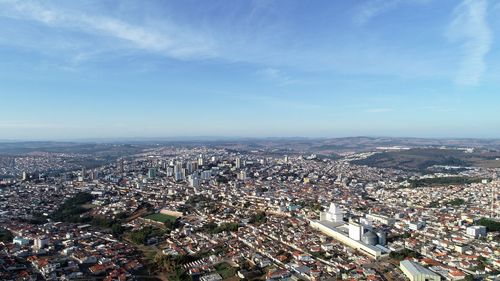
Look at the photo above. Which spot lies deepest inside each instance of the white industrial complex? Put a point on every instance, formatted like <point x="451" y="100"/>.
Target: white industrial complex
<point x="357" y="235"/>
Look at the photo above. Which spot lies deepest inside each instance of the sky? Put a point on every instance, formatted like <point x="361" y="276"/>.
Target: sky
<point x="283" y="68"/>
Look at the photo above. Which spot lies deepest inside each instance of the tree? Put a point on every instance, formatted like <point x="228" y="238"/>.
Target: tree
<point x="258" y="218"/>
<point x="71" y="209"/>
<point x="491" y="225"/>
<point x="171" y="224"/>
<point x="5" y="235"/>
<point x="117" y="229"/>
<point x="173" y="265"/>
<point x="469" y="278"/>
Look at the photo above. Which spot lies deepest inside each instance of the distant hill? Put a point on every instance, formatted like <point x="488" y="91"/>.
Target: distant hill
<point x="324" y="146"/>
<point x="419" y="159"/>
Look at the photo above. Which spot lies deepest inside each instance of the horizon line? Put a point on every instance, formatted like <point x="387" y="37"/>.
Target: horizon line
<point x="227" y="138"/>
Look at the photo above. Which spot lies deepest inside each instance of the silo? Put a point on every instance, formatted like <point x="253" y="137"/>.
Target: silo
<point x="370" y="238"/>
<point x="382" y="237"/>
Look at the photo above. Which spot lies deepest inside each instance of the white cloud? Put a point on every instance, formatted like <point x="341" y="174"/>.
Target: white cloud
<point x="276" y="75"/>
<point x="171" y="41"/>
<point x="271" y="73"/>
<point x="469" y="27"/>
<point x="374" y="8"/>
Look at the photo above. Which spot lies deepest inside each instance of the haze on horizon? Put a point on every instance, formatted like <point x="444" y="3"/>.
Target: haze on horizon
<point x="124" y="69"/>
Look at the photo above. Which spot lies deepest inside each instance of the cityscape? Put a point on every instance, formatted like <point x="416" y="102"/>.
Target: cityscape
<point x="214" y="212"/>
<point x="259" y="140"/>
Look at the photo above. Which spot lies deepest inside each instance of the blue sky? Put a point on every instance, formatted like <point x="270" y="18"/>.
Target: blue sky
<point x="105" y="69"/>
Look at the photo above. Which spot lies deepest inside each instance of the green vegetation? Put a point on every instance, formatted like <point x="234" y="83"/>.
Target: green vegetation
<point x="141" y="236"/>
<point x="319" y="255"/>
<point x="71" y="209"/>
<point x="121" y="216"/>
<point x="213" y="228"/>
<point x="160" y="217"/>
<point x="405" y="235"/>
<point x="456" y="202"/>
<point x="115" y="225"/>
<point x="117" y="229"/>
<point x="443" y="181"/>
<point x="172" y="265"/>
<point x="491" y="225"/>
<point x="196" y="199"/>
<point x="218" y="250"/>
<point x="406" y="253"/>
<point x="225" y="270"/>
<point x="483" y="262"/>
<point x="170" y="222"/>
<point x="171" y="225"/>
<point x="433" y="204"/>
<point x="418" y="159"/>
<point x="258" y="218"/>
<point x="313" y="205"/>
<point x="5" y="235"/>
<point x="102" y="222"/>
<point x="36" y="218"/>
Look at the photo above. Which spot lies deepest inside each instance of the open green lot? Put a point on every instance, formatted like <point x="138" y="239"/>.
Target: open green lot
<point x="225" y="270"/>
<point x="160" y="217"/>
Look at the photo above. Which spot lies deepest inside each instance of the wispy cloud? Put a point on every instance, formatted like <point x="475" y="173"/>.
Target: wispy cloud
<point x="73" y="34"/>
<point x="470" y="27"/>
<point x="374" y="8"/>
<point x="277" y="76"/>
<point x="172" y="41"/>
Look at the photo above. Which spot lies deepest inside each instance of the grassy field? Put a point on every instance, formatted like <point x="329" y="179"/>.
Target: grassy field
<point x="225" y="270"/>
<point x="160" y="217"/>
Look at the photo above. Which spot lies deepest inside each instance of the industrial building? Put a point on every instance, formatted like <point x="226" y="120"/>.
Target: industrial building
<point x="416" y="272"/>
<point x="382" y="219"/>
<point x="353" y="234"/>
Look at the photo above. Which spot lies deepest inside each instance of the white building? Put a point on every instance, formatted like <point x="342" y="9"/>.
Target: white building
<point x="380" y="218"/>
<point x="20" y="241"/>
<point x="211" y="277"/>
<point x="334" y="214"/>
<point x="194" y="181"/>
<point x="242" y="175"/>
<point x="170" y="171"/>
<point x="416" y="272"/>
<point x="416" y="225"/>
<point x="476" y="231"/>
<point x="40" y="242"/>
<point x="332" y="224"/>
<point x="356" y="231"/>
